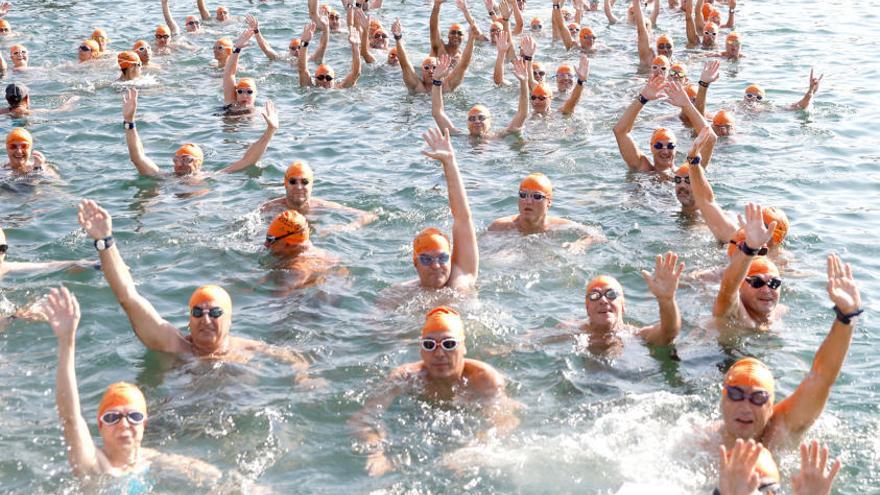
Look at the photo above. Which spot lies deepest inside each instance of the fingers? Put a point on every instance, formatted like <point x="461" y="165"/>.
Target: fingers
<point x="647" y="276"/>
<point x="835" y="468"/>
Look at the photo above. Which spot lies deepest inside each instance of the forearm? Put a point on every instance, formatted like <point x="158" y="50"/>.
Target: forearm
<point x="144" y="165"/>
<point x="517" y="17"/>
<point x="434" y="25"/>
<point x="302" y="65"/>
<point x="670" y="321"/>
<point x="203" y="10"/>
<point x="572" y="101"/>
<point x="522" y="107"/>
<point x="229" y="72"/>
<point x="254" y="152"/>
<point x="117" y="275"/>
<point x="66" y="392"/>
<point x="655" y="12"/>
<point x="265" y="47"/>
<point x="172" y="26"/>
<point x="731" y="22"/>
<point x="734" y="274"/>
<point x="498" y="74"/>
<point x="702" y="92"/>
<point x="625" y="125"/>
<point x="608" y="13"/>
<point x="318" y="57"/>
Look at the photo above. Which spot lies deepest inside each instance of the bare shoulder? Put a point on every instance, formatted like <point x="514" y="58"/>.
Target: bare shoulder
<point x="503" y="223"/>
<point x="406" y="372"/>
<point x="564" y="223"/>
<point x="482" y="376"/>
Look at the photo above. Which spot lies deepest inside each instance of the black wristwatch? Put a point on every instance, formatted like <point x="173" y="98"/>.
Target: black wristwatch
<point x="305" y="43"/>
<point x="747" y="250"/>
<point x="846" y="318"/>
<point x="398" y="36"/>
<point x="105" y="243"/>
<point x="256" y="30"/>
<point x="437" y="82"/>
<point x="694" y="160"/>
<point x="128" y="125"/>
<point x="703" y="83"/>
<point x="526" y="58"/>
<point x="643" y="99"/>
<point x="581" y="82"/>
<point x="237" y="50"/>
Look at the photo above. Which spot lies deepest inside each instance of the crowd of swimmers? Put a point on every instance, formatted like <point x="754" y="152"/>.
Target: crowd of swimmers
<point x="754" y="426"/>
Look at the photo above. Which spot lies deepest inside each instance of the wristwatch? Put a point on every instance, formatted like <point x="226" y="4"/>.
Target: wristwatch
<point x="105" y="243"/>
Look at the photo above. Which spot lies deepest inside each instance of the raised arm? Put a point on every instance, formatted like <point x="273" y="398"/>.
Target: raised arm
<point x="583" y="73"/>
<point x="699" y="22"/>
<point x="156" y="333"/>
<point x="363" y="25"/>
<point x="646" y="53"/>
<point x="255" y="151"/>
<point x="663" y="283"/>
<point x="707" y="77"/>
<point x="559" y="25"/>
<point x="62" y="309"/>
<point x="625" y="143"/>
<point x="410" y="79"/>
<point x="437" y="47"/>
<point x="655" y="12"/>
<point x="612" y="19"/>
<point x="731" y="21"/>
<point x="520" y="70"/>
<point x="254" y="26"/>
<point x="318" y="57"/>
<point x="689" y="25"/>
<point x="353" y="76"/>
<point x="232" y="67"/>
<point x="465" y="253"/>
<point x="437" y="109"/>
<point x="799" y="410"/>
<point x="808" y="96"/>
<point x="678" y="97"/>
<point x="500" y="59"/>
<point x="718" y="221"/>
<point x="302" y="63"/>
<point x="757" y="235"/>
<point x="457" y="75"/>
<point x="172" y="26"/>
<point x="203" y="10"/>
<point x="517" y="17"/>
<point x="143" y="163"/>
<point x="466" y="11"/>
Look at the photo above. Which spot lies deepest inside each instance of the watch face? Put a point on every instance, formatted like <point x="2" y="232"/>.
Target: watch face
<point x="100" y="244"/>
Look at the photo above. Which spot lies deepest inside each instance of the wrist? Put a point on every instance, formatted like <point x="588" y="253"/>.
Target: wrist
<point x="398" y="36"/>
<point x="104" y="243"/>
<point x="256" y="30"/>
<point x="846" y="317"/>
<point x="748" y="251"/>
<point x="581" y="81"/>
<point x="704" y="83"/>
<point x="437" y="82"/>
<point x="642" y="99"/>
<point x="694" y="159"/>
<point x="527" y="58"/>
<point x="237" y="50"/>
<point x="128" y="124"/>
<point x="304" y="43"/>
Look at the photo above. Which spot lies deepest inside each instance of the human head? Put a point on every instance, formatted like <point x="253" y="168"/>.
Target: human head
<point x="754" y="94"/>
<point x="123" y="398"/>
<point x="678" y="72"/>
<point x="324" y="76"/>
<point x="163" y="35"/>
<point x="294" y="47"/>
<point x="762" y="301"/>
<point x="743" y="419"/>
<point x="245" y="92"/>
<point x="773" y="214"/>
<point x="210" y="334"/>
<point x="692" y="90"/>
<point x="542" y="97"/>
<point x="143" y="50"/>
<point x="531" y="210"/>
<point x="19" y="146"/>
<point x="392" y="56"/>
<point x="495" y="30"/>
<point x="479" y="120"/>
<point x="535" y="25"/>
<point x="379" y="38"/>
<point x="443" y="323"/>
<point x="455" y="35"/>
<point x="298" y="182"/>
<point x="573" y="29"/>
<point x="222" y="50"/>
<point x="100" y="36"/>
<point x="88" y="50"/>
<point x="130" y="65"/>
<point x="5" y="28"/>
<point x="19" y="55"/>
<point x="723" y="123"/>
<point x="683" y="190"/>
<point x="604" y="314"/>
<point x="538" y="71"/>
<point x="732" y="44"/>
<point x="665" y="46"/>
<point x="428" y="67"/>
<point x="17" y="95"/>
<point x="188" y="159"/>
<point x="661" y="140"/>
<point x="222" y="14"/>
<point x="429" y="246"/>
<point x="565" y="76"/>
<point x="587" y="38"/>
<point x="710" y="32"/>
<point x="660" y="66"/>
<point x="333" y="19"/>
<point x="288" y="233"/>
<point x="192" y="24"/>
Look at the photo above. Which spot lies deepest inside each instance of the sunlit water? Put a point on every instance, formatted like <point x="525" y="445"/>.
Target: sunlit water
<point x="588" y="425"/>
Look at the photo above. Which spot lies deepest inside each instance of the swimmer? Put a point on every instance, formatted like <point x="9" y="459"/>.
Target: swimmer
<point x="663" y="43"/>
<point x="709" y="75"/>
<point x="298" y="183"/>
<point x="373" y="35"/>
<point x="19" y="56"/>
<point x="748" y="407"/>
<point x="130" y="65"/>
<point x="239" y="97"/>
<point x="439" y="262"/>
<point x="444" y="375"/>
<point x="542" y="94"/>
<point x="193" y="25"/>
<point x="479" y="120"/>
<point x="303" y="264"/>
<point x="189" y="158"/>
<point x="527" y="50"/>
<point x="660" y="67"/>
<point x="582" y="37"/>
<point x="26" y="267"/>
<point x="695" y="28"/>
<point x="535" y="26"/>
<point x="145" y="53"/>
<point x="501" y="15"/>
<point x="678" y="73"/>
<point x="222" y="51"/>
<point x="293" y="47"/>
<point x="88" y="50"/>
<point x="331" y="14"/>
<point x="416" y="84"/>
<point x="100" y="36"/>
<point x="5" y="29"/>
<point x="122" y="416"/>
<point x="163" y="39"/>
<point x="222" y="12"/>
<point x="23" y="159"/>
<point x="455" y="36"/>
<point x="535" y="200"/>
<point x="755" y="98"/>
<point x="682" y="178"/>
<point x="604" y="303"/>
<point x="565" y="77"/>
<point x="19" y="100"/>
<point x="325" y="76"/>
<point x="392" y="59"/>
<point x="731" y="48"/>
<point x="210" y="309"/>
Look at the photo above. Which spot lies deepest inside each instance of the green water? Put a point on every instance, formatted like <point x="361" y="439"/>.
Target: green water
<point x="588" y="425"/>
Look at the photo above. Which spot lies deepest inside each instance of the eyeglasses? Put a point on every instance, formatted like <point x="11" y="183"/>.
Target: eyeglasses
<point x="758" y="282"/>
<point x="142" y="49"/>
<point x="588" y="37"/>
<point x="214" y="312"/>
<point x="474" y="118"/>
<point x="4" y="30"/>
<point x="679" y="180"/>
<point x="20" y="53"/>
<point x="539" y="73"/>
<point x="535" y="195"/>
<point x="334" y="17"/>
<point x="753" y="96"/>
<point x="725" y="127"/>
<point x="429" y="68"/>
<point x="678" y="73"/>
<point x="709" y="33"/>
<point x="565" y="76"/>
<point x="84" y="48"/>
<point x="456" y="33"/>
<point x="428" y="260"/>
<point x="733" y="42"/>
<point x="243" y="91"/>
<point x="535" y="97"/>
<point x="192" y="23"/>
<point x="658" y="67"/>
<point x="664" y="46"/>
<point x="536" y="27"/>
<point x="447" y="344"/>
<point x="293" y="181"/>
<point x="659" y="146"/>
<point x="494" y="31"/>
<point x="324" y="77"/>
<point x="609" y="294"/>
<point x="133" y="417"/>
<point x="761" y="252"/>
<point x="271" y="239"/>
<point x="219" y="47"/>
<point x="162" y="36"/>
<point x="4" y="248"/>
<point x="758" y="397"/>
<point x="380" y="36"/>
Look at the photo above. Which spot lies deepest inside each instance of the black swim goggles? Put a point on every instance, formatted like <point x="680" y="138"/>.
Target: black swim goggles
<point x="133" y="417"/>
<point x="736" y="394"/>
<point x="758" y="282"/>
<point x="609" y="294"/>
<point x="214" y="312"/>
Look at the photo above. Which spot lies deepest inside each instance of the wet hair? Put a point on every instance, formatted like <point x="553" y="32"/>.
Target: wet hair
<point x="15" y="94"/>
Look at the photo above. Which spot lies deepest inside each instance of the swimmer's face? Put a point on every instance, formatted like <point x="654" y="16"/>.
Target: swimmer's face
<point x="665" y="49"/>
<point x="683" y="191"/>
<point x="298" y="191"/>
<point x="541" y="103"/>
<point x="220" y="53"/>
<point x="538" y="72"/>
<point x="604" y="313"/>
<point x="733" y="48"/>
<point x="85" y="53"/>
<point x="333" y="21"/>
<point x="19" y="153"/>
<point x="534" y="206"/>
<point x="193" y="25"/>
<point x="455" y="37"/>
<point x="663" y="156"/>
<point x="222" y="15"/>
<point x="659" y="70"/>
<point x="324" y="80"/>
<point x="145" y="53"/>
<point x="564" y="81"/>
<point x="186" y="165"/>
<point x="762" y="301"/>
<point x="436" y="274"/>
<point x="392" y="59"/>
<point x="587" y="42"/>
<point x="428" y="68"/>
<point x="441" y="363"/>
<point x="162" y="40"/>
<point x="479" y="123"/>
<point x="20" y="56"/>
<point x="293" y="51"/>
<point x="709" y="38"/>
<point x="573" y="30"/>
<point x="122" y="435"/>
<point x="723" y="130"/>
<point x="245" y="96"/>
<point x="742" y="419"/>
<point x="379" y="40"/>
<point x="209" y="333"/>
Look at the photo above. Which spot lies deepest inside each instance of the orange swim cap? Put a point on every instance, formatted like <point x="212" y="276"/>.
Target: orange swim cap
<point x="430" y="239"/>
<point x="679" y="67"/>
<point x="723" y="117"/>
<point x="139" y="44"/>
<point x="543" y="89"/>
<point x="664" y="39"/>
<point x="455" y="27"/>
<point x="755" y="89"/>
<point x="711" y="27"/>
<point x="163" y="30"/>
<point x="443" y="319"/>
<point x="706" y="11"/>
<point x="127" y="59"/>
<point x="325" y="69"/>
<point x="122" y="394"/>
<point x="392" y="51"/>
<point x="691" y="90"/>
<point x="19" y="135"/>
<point x="761" y="265"/>
<point x="99" y="33"/>
<point x="294" y="43"/>
<point x="292" y="224"/>
<point x="537" y="182"/>
<point x="477" y="109"/>
<point x="604" y="281"/>
<point x="565" y="69"/>
<point x="226" y="43"/>
<point x="535" y="22"/>
<point x="4" y="24"/>
<point x="771" y="214"/>
<point x="660" y="60"/>
<point x="766" y="466"/>
<point x="683" y="171"/>
<point x="192" y="150"/>
<point x="586" y="32"/>
<point x="211" y="293"/>
<point x="750" y="372"/>
<point x="246" y="83"/>
<point x="301" y="170"/>
<point x="733" y="36"/>
<point x="662" y="134"/>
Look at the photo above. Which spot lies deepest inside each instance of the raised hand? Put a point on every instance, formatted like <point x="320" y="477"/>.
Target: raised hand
<point x="757" y="234"/>
<point x="308" y="32"/>
<point x="39" y="159"/>
<point x="270" y="115"/>
<point x="361" y="20"/>
<point x="490" y="5"/>
<point x="243" y="39"/>
<point x="812" y="480"/>
<point x="520" y="71"/>
<point x="527" y="46"/>
<point x="814" y="82"/>
<point x="396" y="28"/>
<point x="710" y="71"/>
<point x="4" y="8"/>
<point x="700" y="140"/>
<point x="440" y="144"/>
<point x="731" y="4"/>
<point x="505" y="8"/>
<point x="655" y="88"/>
<point x="354" y="36"/>
<point x="842" y="289"/>
<point x="736" y="474"/>
<point x="583" y="71"/>
<point x="676" y="94"/>
<point x="252" y="22"/>
<point x="443" y="66"/>
<point x="462" y="6"/>
<point x="129" y="104"/>
<point x="664" y="281"/>
<point x="62" y="310"/>
<point x="502" y="43"/>
<point x="95" y="220"/>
